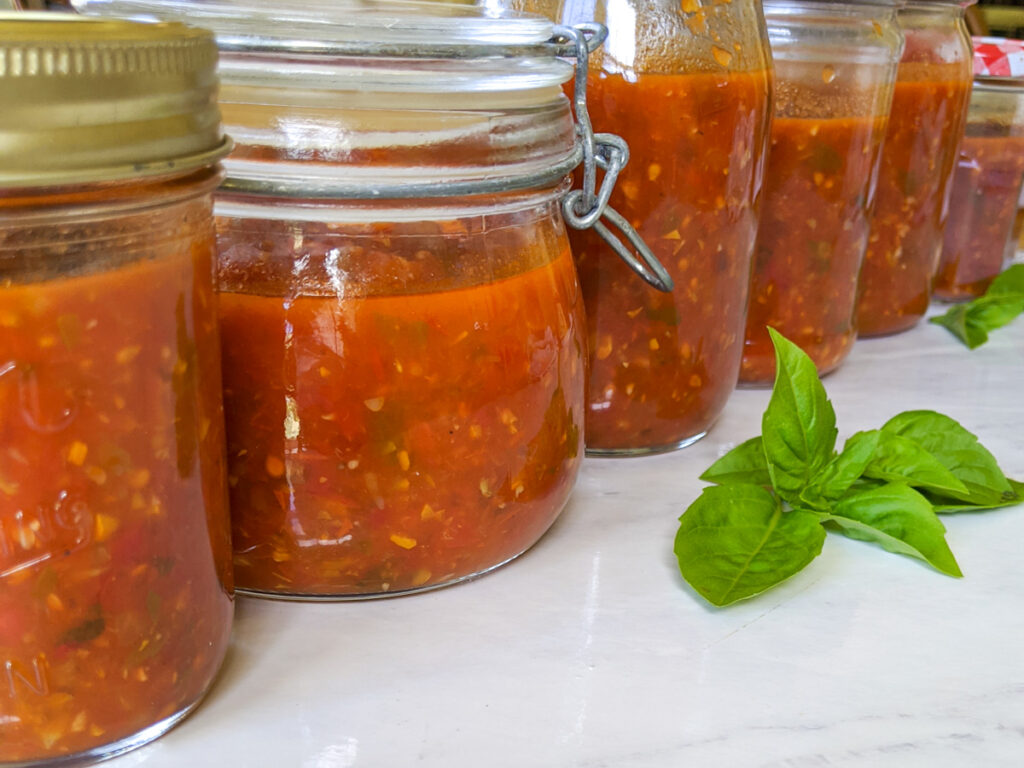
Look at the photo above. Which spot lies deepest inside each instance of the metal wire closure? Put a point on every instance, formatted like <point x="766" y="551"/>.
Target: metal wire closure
<point x="585" y="208"/>
<point x="581" y="208"/>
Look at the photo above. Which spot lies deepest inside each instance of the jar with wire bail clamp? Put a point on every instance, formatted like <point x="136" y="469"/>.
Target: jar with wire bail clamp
<point x="688" y="85"/>
<point x="403" y="328"/>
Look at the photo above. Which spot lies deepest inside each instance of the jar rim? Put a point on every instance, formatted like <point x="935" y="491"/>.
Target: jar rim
<point x="412" y="27"/>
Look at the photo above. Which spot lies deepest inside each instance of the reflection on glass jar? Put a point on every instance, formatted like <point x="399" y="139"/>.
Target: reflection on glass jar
<point x="688" y="87"/>
<point x="115" y="560"/>
<point x="987" y="181"/>
<point x="929" y="107"/>
<point x="428" y="376"/>
<point x="834" y="67"/>
<point x="402" y="324"/>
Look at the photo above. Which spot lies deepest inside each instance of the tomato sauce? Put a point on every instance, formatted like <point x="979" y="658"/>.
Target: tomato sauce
<point x="919" y="153"/>
<point x="982" y="209"/>
<point x="410" y="426"/>
<point x="819" y="189"/>
<point x="663" y="365"/>
<point x="115" y="582"/>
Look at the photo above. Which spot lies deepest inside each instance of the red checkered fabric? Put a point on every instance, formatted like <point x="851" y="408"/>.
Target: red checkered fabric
<point x="998" y="57"/>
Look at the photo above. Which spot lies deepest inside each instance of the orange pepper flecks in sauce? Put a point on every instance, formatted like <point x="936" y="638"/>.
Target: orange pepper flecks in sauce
<point x="663" y="365"/>
<point x="982" y="209"/>
<point x="115" y="580"/>
<point x="918" y="155"/>
<point x="819" y="186"/>
<point x="382" y="439"/>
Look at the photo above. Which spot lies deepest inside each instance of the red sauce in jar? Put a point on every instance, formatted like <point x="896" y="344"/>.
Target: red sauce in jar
<point x="663" y="365"/>
<point x="383" y="439"/>
<point x="115" y="580"/>
<point x="918" y="156"/>
<point x="819" y="187"/>
<point x="982" y="209"/>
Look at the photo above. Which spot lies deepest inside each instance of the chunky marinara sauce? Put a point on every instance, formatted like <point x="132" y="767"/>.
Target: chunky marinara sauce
<point x="405" y="409"/>
<point x="115" y="579"/>
<point x="819" y="187"/>
<point x="918" y="156"/>
<point x="663" y="365"/>
<point x="982" y="209"/>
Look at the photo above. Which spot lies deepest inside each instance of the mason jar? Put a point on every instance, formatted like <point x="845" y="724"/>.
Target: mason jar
<point x="115" y="560"/>
<point x="688" y="86"/>
<point x="835" y="63"/>
<point x="404" y="339"/>
<point x="929" y="107"/>
<point x="979" y="240"/>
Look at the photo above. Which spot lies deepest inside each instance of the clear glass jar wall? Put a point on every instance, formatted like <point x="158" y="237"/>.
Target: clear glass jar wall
<point x="929" y="108"/>
<point x="427" y="372"/>
<point x="978" y="241"/>
<point x="403" y="329"/>
<point x="687" y="86"/>
<point x="115" y="559"/>
<point x="834" y="67"/>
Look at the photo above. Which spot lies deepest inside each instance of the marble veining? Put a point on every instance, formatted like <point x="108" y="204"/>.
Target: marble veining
<point x="591" y="652"/>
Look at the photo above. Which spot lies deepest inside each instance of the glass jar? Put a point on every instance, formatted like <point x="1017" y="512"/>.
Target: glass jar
<point x="987" y="182"/>
<point x="687" y="85"/>
<point x="929" y="107"/>
<point x="115" y="559"/>
<point x="835" y="63"/>
<point x="403" y="327"/>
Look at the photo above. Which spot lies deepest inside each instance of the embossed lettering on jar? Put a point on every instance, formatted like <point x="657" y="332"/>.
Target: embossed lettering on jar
<point x="115" y="561"/>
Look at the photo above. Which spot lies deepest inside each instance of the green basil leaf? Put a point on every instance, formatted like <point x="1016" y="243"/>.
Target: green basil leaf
<point x="743" y="464"/>
<point x="899" y="519"/>
<point x="947" y="506"/>
<point x="957" y="450"/>
<point x="958" y="322"/>
<point x="1010" y="280"/>
<point x="1002" y="302"/>
<point x="845" y="469"/>
<point x="735" y="541"/>
<point x="900" y="459"/>
<point x="799" y="426"/>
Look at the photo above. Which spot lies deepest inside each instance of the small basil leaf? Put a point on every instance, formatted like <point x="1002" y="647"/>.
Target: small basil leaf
<point x="900" y="459"/>
<point x="959" y="323"/>
<point x="1002" y="302"/>
<point x="947" y="506"/>
<point x="799" y="426"/>
<point x="957" y="450"/>
<point x="743" y="464"/>
<point x="1010" y="280"/>
<point x="735" y="541"/>
<point x="899" y="519"/>
<point x="846" y="468"/>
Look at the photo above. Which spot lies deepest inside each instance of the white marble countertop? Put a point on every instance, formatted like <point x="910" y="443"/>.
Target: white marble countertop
<point x="591" y="651"/>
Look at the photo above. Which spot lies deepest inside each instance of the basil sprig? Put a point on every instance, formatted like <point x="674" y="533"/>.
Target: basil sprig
<point x="776" y="495"/>
<point x="1002" y="302"/>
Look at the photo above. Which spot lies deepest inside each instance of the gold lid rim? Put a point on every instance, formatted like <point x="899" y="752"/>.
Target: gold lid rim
<point x="162" y="167"/>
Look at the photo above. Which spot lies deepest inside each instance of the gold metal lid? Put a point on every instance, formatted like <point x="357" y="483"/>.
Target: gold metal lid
<point x="87" y="100"/>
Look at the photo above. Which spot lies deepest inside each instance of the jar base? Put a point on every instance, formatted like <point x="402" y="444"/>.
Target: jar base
<point x="610" y="453"/>
<point x="114" y="749"/>
<point x="301" y="597"/>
